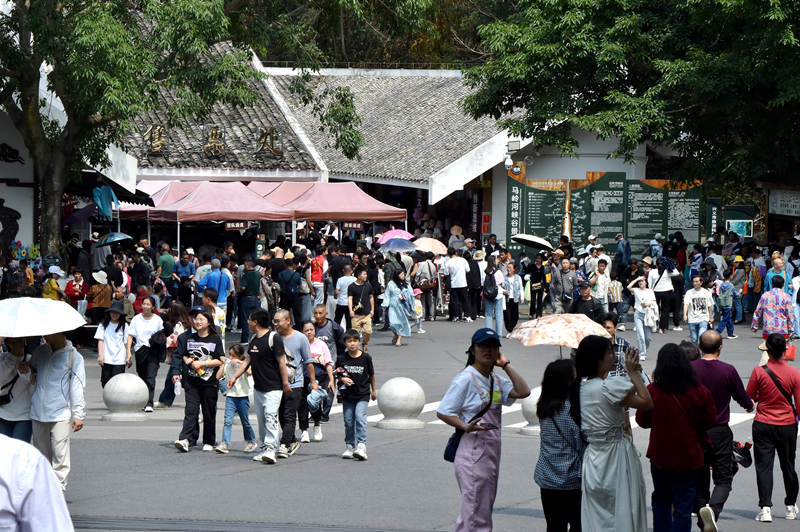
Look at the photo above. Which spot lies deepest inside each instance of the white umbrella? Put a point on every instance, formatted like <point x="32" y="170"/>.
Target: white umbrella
<point x="532" y="241"/>
<point x="28" y="316"/>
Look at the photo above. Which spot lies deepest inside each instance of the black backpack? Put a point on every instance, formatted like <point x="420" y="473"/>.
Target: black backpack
<point x="489" y="287"/>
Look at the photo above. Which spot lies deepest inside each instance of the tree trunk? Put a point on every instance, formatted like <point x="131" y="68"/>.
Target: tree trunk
<point x="52" y="183"/>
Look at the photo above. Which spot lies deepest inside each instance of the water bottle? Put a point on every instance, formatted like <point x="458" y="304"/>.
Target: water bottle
<point x="177" y="388"/>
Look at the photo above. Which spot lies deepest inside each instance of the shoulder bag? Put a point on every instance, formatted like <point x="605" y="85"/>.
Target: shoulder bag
<point x="455" y="439"/>
<point x="781" y="389"/>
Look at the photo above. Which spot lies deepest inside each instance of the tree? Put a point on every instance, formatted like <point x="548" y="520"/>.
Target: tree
<point x="107" y="61"/>
<point x="717" y="80"/>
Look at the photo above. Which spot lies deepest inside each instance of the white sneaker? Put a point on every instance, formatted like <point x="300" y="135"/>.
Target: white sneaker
<point x="642" y="358"/>
<point x="182" y="445"/>
<point x="348" y="453"/>
<point x="148" y="409"/>
<point x="317" y="433"/>
<point x="160" y="405"/>
<point x="765" y="515"/>
<point x="251" y="446"/>
<point x="268" y="456"/>
<point x="421" y="331"/>
<point x="304" y="438"/>
<point x="791" y="511"/>
<point x="469" y="320"/>
<point x="707" y="517"/>
<point x="678" y="328"/>
<point x="360" y="452"/>
<point x="208" y="447"/>
<point x="621" y="327"/>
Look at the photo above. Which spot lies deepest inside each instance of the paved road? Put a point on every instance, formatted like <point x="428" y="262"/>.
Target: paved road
<point x="132" y="471"/>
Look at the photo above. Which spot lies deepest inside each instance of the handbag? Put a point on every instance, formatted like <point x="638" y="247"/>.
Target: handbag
<point x="451" y="448"/>
<point x="790" y="352"/>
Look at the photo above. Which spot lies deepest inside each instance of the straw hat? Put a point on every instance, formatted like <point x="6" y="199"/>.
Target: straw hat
<point x="289" y="255"/>
<point x="648" y="260"/>
<point x="456" y="230"/>
<point x="479" y="255"/>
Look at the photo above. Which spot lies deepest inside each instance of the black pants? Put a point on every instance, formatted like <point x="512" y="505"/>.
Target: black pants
<point x="675" y="303"/>
<point x="287" y="415"/>
<point x="720" y="460"/>
<point x="147" y="369"/>
<point x="511" y="315"/>
<point x="663" y="299"/>
<point x="291" y="302"/>
<point x="109" y="371"/>
<point x="474" y="302"/>
<point x="537" y="297"/>
<point x="196" y="397"/>
<point x="459" y="303"/>
<point x="302" y="408"/>
<point x="344" y="311"/>
<point x="562" y="507"/>
<point x="767" y="440"/>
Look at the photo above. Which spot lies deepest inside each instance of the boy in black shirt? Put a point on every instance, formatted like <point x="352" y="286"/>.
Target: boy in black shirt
<point x="185" y="294"/>
<point x="356" y="396"/>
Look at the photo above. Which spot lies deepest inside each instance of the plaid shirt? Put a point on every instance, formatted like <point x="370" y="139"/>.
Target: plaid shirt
<point x="620" y="347"/>
<point x="561" y="453"/>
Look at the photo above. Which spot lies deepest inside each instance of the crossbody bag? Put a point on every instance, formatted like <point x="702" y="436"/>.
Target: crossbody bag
<point x="451" y="448"/>
<point x="781" y="389"/>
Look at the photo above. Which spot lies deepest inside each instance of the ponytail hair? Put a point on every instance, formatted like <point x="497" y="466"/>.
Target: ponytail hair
<point x="588" y="356"/>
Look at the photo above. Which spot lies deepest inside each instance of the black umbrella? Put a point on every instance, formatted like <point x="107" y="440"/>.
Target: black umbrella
<point x="532" y="241"/>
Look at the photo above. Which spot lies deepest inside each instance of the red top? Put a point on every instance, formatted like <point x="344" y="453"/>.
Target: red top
<point x="674" y="437"/>
<point x="74" y="293"/>
<point x="773" y="408"/>
<point x="316" y="268"/>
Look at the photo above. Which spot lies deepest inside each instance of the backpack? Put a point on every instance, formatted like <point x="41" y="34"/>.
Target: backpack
<point x="489" y="287"/>
<point x="286" y="282"/>
<point x="648" y="251"/>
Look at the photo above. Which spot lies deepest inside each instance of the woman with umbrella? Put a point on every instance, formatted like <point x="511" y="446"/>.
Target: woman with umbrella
<point x="399" y="300"/>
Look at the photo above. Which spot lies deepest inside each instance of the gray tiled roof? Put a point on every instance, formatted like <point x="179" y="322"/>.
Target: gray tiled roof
<point x="412" y="126"/>
<point x="242" y="125"/>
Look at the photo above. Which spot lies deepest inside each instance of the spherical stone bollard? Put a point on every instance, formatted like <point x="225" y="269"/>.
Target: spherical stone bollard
<point x="125" y="395"/>
<point x="401" y="400"/>
<point x="529" y="413"/>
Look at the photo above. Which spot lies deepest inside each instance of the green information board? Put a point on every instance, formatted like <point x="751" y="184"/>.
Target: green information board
<point x="604" y="204"/>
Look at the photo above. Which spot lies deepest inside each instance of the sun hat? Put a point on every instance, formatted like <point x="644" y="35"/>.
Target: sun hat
<point x="190" y="251"/>
<point x="738" y="259"/>
<point x="479" y="255"/>
<point x="101" y="277"/>
<point x="648" y="260"/>
<point x="55" y="270"/>
<point x="417" y="291"/>
<point x="456" y="230"/>
<point x="775" y="343"/>
<point x="95" y="237"/>
<point x="481" y="335"/>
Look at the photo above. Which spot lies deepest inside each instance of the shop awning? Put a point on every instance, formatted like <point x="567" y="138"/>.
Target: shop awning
<point x="91" y="180"/>
<point x="343" y="202"/>
<point x="173" y="192"/>
<point x="289" y="192"/>
<point x="262" y="188"/>
<point x="231" y="201"/>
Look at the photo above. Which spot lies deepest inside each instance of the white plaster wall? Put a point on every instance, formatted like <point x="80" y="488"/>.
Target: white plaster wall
<point x="550" y="165"/>
<point x="17" y="198"/>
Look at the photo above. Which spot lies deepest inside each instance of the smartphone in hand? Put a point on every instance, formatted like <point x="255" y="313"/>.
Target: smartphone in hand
<point x="489" y="426"/>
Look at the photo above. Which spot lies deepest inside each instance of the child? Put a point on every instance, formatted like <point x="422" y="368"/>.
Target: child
<point x="725" y="302"/>
<point x="356" y="396"/>
<point x="614" y="293"/>
<point x="210" y="299"/>
<point x="236" y="401"/>
<point x="185" y="292"/>
<point x="110" y="336"/>
<point x="418" y="312"/>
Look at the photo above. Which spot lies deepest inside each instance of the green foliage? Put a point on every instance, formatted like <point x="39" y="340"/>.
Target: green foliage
<point x="718" y="80"/>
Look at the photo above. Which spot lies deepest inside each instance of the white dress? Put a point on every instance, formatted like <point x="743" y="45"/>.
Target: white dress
<point x="613" y="487"/>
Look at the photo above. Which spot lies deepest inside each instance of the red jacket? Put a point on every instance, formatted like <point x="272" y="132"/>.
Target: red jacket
<point x="675" y="439"/>
<point x="773" y="408"/>
<point x="74" y="293"/>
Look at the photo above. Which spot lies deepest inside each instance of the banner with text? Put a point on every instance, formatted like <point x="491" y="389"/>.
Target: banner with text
<point x="603" y="204"/>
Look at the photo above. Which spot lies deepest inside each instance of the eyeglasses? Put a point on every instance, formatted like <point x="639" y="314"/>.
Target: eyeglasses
<point x="278" y="321"/>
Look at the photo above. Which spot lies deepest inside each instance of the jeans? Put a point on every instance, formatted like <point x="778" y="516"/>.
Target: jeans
<point x="248" y="304"/>
<point x="288" y="415"/>
<point x="642" y="332"/>
<point x="796" y="309"/>
<point x="673" y="499"/>
<point x="428" y="305"/>
<point x="19" y="430"/>
<point x="306" y="307"/>
<point x="627" y="303"/>
<point x="738" y="311"/>
<point x="725" y="320"/>
<point x="749" y="301"/>
<point x="696" y="329"/>
<point x="718" y="458"/>
<point x="302" y="409"/>
<point x="267" y="405"/>
<point x="167" y="396"/>
<point x="355" y="422"/>
<point x="319" y="293"/>
<point x="240" y="405"/>
<point x="494" y="307"/>
<point x="767" y="440"/>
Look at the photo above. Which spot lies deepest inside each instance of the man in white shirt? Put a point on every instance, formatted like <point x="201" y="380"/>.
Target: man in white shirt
<point x="600" y="283"/>
<point x="601" y="254"/>
<point x="698" y="309"/>
<point x="458" y="267"/>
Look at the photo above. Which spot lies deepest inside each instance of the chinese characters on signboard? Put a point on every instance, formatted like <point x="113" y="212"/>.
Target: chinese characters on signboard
<point x="784" y="202"/>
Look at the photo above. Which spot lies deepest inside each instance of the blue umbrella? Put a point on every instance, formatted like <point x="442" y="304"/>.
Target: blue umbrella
<point x="111" y="238"/>
<point x="399" y="245"/>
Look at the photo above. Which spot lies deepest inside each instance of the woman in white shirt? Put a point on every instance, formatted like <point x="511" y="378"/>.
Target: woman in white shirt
<point x="110" y="336"/>
<point x="645" y="304"/>
<point x="494" y="307"/>
<point x="477" y="390"/>
<point x="142" y="328"/>
<point x="659" y="280"/>
<point x="15" y="415"/>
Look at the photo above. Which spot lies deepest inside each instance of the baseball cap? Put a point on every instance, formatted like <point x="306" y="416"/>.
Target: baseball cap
<point x="658" y="236"/>
<point x="481" y="335"/>
<point x="592" y="237"/>
<point x="711" y="239"/>
<point x="196" y="308"/>
<point x="585" y="284"/>
<point x="573" y="259"/>
<point x="471" y="241"/>
<point x="619" y="236"/>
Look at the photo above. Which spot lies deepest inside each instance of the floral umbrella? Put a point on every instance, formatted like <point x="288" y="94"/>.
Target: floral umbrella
<point x="112" y="238"/>
<point x="432" y="245"/>
<point x="558" y="329"/>
<point x="395" y="233"/>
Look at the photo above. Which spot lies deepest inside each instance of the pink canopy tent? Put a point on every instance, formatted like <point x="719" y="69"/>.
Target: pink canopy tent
<point x="151" y="187"/>
<point x="262" y="188"/>
<point x="289" y="191"/>
<point x="172" y="192"/>
<point x="341" y="202"/>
